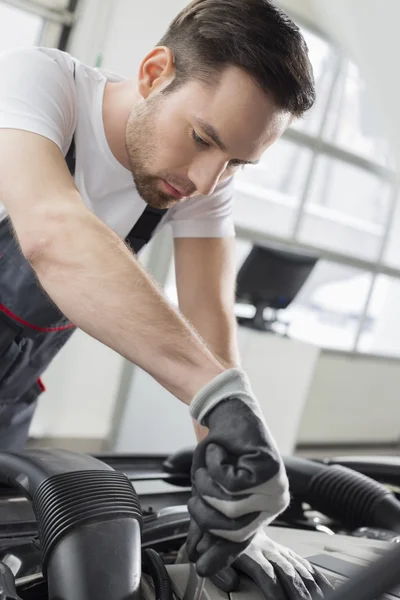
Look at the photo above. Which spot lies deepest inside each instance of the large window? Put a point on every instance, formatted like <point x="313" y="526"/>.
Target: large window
<point x="39" y="22"/>
<point x="328" y="185"/>
<point x="18" y="27"/>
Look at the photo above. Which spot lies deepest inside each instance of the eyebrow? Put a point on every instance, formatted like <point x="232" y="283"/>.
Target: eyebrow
<point x="212" y="133"/>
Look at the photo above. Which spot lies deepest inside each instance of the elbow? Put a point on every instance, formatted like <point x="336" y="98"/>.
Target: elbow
<point x="43" y="229"/>
<point x="35" y="243"/>
<point x="34" y="249"/>
<point x="38" y="233"/>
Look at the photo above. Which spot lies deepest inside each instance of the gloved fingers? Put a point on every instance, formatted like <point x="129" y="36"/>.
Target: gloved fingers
<point x="205" y="543"/>
<point x="323" y="583"/>
<point x="263" y="499"/>
<point x="303" y="561"/>
<point x="302" y="566"/>
<point x="182" y="556"/>
<point x="243" y="467"/>
<point x="226" y="580"/>
<point x="210" y="520"/>
<point x="310" y="575"/>
<point x="216" y="554"/>
<point x="279" y="560"/>
<point x="209" y="553"/>
<point x="293" y="565"/>
<point x="313" y="588"/>
<point x="253" y="559"/>
<point x="263" y="576"/>
<point x="292" y="585"/>
<point x="199" y="456"/>
<point x="194" y="536"/>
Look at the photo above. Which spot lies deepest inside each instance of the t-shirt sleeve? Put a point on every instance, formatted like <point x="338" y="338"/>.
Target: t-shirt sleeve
<point x="37" y="94"/>
<point x="205" y="216"/>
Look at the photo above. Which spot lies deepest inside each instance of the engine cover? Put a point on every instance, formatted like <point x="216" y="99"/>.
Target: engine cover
<point x="338" y="557"/>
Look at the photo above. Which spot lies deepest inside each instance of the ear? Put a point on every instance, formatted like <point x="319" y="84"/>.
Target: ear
<point x="157" y="71"/>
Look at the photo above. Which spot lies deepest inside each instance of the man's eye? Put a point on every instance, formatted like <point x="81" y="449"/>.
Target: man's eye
<point x="199" y="141"/>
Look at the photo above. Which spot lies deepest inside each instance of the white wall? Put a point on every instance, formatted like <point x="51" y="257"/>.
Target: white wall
<point x="121" y="31"/>
<point x="95" y="18"/>
<point x="82" y="384"/>
<point x="304" y="9"/>
<point x="369" y="32"/>
<point x="155" y="422"/>
<point x="135" y="29"/>
<point x="353" y="399"/>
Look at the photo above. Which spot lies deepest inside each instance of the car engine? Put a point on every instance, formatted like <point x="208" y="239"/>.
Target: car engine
<point x="75" y="526"/>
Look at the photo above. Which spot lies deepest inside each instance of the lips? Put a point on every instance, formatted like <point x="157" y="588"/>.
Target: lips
<point x="173" y="191"/>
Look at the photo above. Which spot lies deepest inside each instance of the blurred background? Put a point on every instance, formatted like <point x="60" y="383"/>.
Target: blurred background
<point x="323" y="204"/>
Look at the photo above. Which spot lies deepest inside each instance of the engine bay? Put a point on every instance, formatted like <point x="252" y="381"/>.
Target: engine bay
<point x="339" y="541"/>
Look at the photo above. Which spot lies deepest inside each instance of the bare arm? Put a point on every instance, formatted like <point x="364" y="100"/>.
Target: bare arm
<point x="206" y="276"/>
<point x="89" y="272"/>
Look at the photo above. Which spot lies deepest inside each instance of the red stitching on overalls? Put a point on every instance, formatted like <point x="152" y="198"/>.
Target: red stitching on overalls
<point x="8" y="312"/>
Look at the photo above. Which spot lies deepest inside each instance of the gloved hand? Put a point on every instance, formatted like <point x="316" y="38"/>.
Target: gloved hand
<point x="238" y="477"/>
<point x="277" y="571"/>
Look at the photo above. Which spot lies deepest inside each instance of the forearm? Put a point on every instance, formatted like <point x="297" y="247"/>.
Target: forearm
<point x="219" y="331"/>
<point x="217" y="327"/>
<point x="100" y="286"/>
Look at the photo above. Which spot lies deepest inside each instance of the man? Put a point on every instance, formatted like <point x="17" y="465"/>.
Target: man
<point x="89" y="161"/>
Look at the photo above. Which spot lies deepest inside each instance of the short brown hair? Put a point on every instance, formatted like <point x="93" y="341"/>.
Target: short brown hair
<point x="254" y="35"/>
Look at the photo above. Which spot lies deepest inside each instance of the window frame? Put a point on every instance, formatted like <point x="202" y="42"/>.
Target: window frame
<point x="321" y="147"/>
<point x="58" y="23"/>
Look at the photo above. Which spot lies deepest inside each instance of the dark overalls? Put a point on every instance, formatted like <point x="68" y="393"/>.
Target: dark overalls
<point x="33" y="329"/>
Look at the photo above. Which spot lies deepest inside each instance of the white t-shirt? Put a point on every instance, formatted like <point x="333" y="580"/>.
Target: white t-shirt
<point x="38" y="93"/>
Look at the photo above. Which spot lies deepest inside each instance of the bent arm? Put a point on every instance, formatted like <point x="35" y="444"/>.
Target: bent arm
<point x="89" y="272"/>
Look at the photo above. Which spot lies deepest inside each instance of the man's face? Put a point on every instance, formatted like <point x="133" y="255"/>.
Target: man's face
<point x="184" y="143"/>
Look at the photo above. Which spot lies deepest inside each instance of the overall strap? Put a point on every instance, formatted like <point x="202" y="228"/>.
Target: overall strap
<point x="70" y="158"/>
<point x="144" y="228"/>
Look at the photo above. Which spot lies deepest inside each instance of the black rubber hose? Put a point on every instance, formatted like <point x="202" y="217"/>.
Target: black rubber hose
<point x="89" y="522"/>
<point x="155" y="567"/>
<point x="340" y="493"/>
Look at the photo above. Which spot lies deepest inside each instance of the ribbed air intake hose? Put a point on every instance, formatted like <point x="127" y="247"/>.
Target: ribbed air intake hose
<point x="350" y="497"/>
<point x="89" y="522"/>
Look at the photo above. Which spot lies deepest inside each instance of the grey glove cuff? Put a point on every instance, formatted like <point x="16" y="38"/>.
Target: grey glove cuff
<point x="232" y="383"/>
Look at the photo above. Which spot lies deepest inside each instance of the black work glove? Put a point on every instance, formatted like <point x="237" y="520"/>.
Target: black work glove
<point x="238" y="477"/>
<point x="277" y="571"/>
<point x="7" y="583"/>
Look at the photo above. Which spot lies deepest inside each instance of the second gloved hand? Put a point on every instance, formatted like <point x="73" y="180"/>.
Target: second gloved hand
<point x="278" y="572"/>
<point x="238" y="477"/>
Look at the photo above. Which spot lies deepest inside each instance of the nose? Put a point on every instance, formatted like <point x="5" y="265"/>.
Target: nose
<point x="205" y="174"/>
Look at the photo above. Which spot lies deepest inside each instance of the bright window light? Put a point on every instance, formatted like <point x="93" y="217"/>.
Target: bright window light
<point x="18" y="27"/>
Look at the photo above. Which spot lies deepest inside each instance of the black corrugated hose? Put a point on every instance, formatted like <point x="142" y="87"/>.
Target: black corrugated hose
<point x="343" y="494"/>
<point x="155" y="567"/>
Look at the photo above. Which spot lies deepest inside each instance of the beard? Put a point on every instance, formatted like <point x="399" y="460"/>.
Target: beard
<point x="139" y="139"/>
